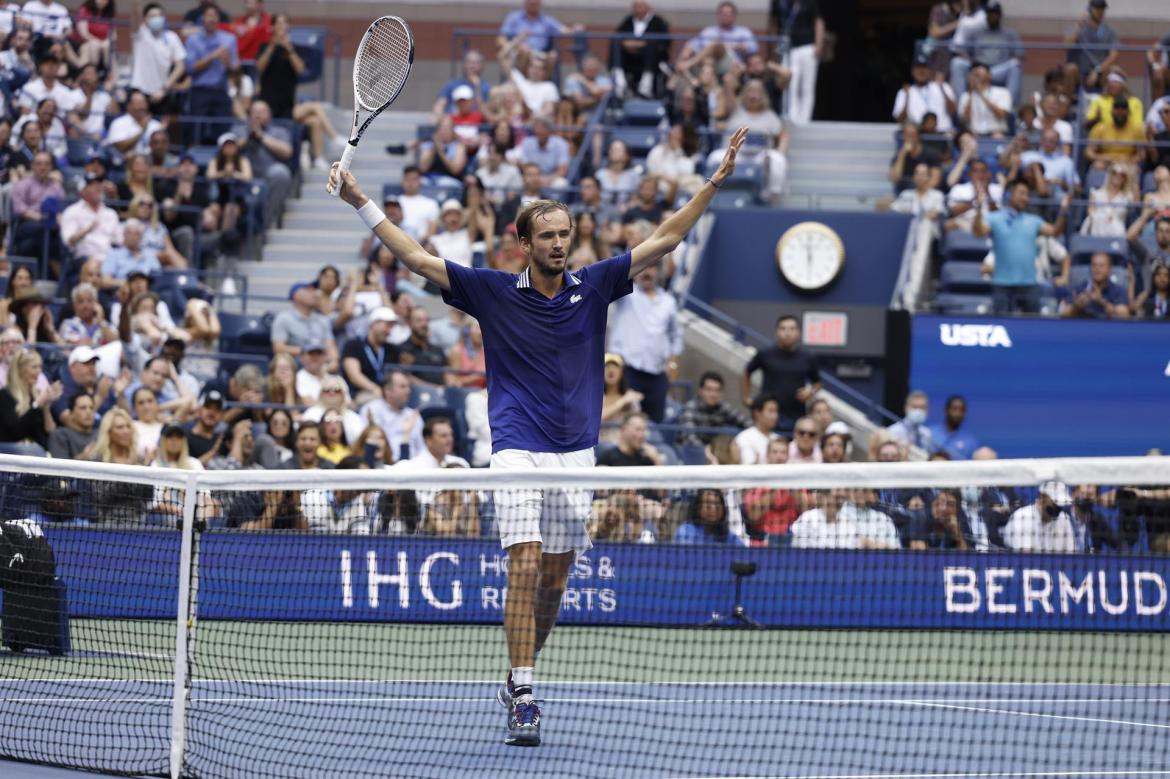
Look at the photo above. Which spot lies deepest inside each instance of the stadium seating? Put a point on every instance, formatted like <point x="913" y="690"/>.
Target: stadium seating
<point x="965" y="247"/>
<point x="1083" y="247"/>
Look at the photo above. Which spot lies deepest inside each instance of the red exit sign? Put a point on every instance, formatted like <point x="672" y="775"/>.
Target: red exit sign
<point x="825" y="328"/>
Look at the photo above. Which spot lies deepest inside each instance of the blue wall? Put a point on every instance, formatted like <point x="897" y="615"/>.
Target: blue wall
<point x="1061" y="388"/>
<point x="360" y="578"/>
<point x="740" y="259"/>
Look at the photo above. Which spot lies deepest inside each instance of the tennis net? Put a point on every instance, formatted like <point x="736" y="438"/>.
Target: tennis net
<point x="895" y="620"/>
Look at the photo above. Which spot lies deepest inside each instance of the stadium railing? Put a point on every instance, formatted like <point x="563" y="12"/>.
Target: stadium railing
<point x="159" y="641"/>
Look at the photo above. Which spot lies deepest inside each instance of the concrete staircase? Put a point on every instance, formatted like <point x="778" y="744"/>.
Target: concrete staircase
<point x="838" y="166"/>
<point x="319" y="229"/>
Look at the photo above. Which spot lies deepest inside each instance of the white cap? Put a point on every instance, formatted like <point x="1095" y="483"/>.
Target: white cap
<point x="838" y="428"/>
<point x="451" y="204"/>
<point x="82" y="354"/>
<point x="383" y="314"/>
<point x="1057" y="491"/>
<point x="462" y="92"/>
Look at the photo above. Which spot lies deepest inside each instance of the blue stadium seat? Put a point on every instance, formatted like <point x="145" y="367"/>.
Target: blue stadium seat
<point x="1094" y="179"/>
<point x="637" y="111"/>
<point x="427" y="397"/>
<point x="955" y="303"/>
<point x="965" y="247"/>
<point x="732" y="199"/>
<point x="1083" y="247"/>
<point x="640" y="140"/>
<point x="963" y="278"/>
<point x="693" y="454"/>
<point x="202" y="155"/>
<point x="310" y="44"/>
<point x="1148" y="184"/>
<point x="746" y="177"/>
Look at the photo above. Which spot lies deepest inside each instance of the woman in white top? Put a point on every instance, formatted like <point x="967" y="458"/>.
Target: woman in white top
<point x="840" y="521"/>
<point x="673" y="162"/>
<point x="619" y="178"/>
<point x="335" y="397"/>
<point x="155" y="236"/>
<point x="148" y="422"/>
<point x="540" y="95"/>
<point x="754" y="112"/>
<point x="1108" y="204"/>
<point x="363" y="292"/>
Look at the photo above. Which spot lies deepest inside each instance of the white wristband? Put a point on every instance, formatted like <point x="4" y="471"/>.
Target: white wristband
<point x="371" y="214"/>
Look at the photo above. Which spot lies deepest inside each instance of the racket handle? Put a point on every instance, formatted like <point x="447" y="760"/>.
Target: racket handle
<point x="343" y="166"/>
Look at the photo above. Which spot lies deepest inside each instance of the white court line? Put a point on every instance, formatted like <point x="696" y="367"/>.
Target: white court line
<point x="592" y="683"/>
<point x="978" y="775"/>
<point x="984" y="710"/>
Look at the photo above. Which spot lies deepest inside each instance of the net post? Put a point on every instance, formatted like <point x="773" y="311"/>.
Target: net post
<point x="180" y="694"/>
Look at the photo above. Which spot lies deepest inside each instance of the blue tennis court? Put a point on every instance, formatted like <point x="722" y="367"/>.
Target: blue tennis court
<point x="441" y="728"/>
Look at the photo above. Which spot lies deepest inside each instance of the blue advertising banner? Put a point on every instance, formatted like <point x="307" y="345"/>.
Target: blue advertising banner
<point x="1049" y="387"/>
<point x="253" y="576"/>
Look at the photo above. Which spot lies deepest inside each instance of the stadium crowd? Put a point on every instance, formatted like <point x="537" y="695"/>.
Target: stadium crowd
<point x="193" y="148"/>
<point x="1071" y="183"/>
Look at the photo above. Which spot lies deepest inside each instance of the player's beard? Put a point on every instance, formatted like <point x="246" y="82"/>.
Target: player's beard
<point x="551" y="265"/>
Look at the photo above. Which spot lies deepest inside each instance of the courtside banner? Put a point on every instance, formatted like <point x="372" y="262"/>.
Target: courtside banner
<point x="257" y="576"/>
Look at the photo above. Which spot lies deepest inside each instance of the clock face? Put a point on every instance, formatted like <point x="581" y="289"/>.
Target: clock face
<point x="810" y="255"/>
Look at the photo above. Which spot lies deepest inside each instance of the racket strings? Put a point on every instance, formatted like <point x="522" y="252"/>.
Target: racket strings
<point x="382" y="64"/>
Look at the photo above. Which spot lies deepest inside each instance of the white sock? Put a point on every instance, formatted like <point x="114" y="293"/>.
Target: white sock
<point x="522" y="683"/>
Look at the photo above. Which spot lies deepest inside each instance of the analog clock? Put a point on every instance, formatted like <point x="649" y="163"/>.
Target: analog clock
<point x="810" y="255"/>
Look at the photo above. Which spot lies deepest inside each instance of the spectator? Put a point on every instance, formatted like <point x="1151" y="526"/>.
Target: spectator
<point x="1154" y="300"/>
<point x="308" y="444"/>
<point x="979" y="195"/>
<point x="335" y="397"/>
<point x="804" y="27"/>
<point x="645" y="208"/>
<point x="1144" y="250"/>
<point x="632" y="448"/>
<point x="148" y="421"/>
<point x="205" y="434"/>
<point x="363" y="293"/>
<point x="1051" y="117"/>
<point x="186" y="191"/>
<point x="539" y="94"/>
<point x="45" y="115"/>
<point x="420" y="213"/>
<point x="240" y="454"/>
<point x="81" y="376"/>
<point x="173" y="453"/>
<point x="155" y="237"/>
<point x="912" y="154"/>
<point x="1112" y="140"/>
<point x="950" y="437"/>
<point x="311" y="373"/>
<point x="591" y="199"/>
<point x="333" y="446"/>
<point x="158" y="61"/>
<point x="138" y="180"/>
<point x="71" y="438"/>
<point x="130" y="257"/>
<point x="268" y="147"/>
<point x="945" y="526"/>
<point x="641" y="52"/>
<point x="22" y="406"/>
<point x="925" y="95"/>
<point x="922" y="201"/>
<point x="1086" y="64"/>
<point x="28" y="201"/>
<point x="130" y="133"/>
<point x="467" y="359"/>
<point x="472" y="79"/>
<point x="117" y="442"/>
<point x="617" y="399"/>
<point x="443" y="158"/>
<point x="16" y="61"/>
<point x="391" y="413"/>
<point x="529" y="31"/>
<point x="548" y="152"/>
<point x="736" y="39"/>
<point x="708" y="522"/>
<point x="47" y="19"/>
<point x="253" y="29"/>
<point x="996" y="47"/>
<point x="1049" y="169"/>
<point x="87" y="326"/>
<point x="822" y="414"/>
<point x="438" y="445"/>
<point x="1091" y="531"/>
<point x="912" y="428"/>
<point x="374" y="447"/>
<point x="753" y="442"/>
<point x="458" y="235"/>
<point x="363" y="360"/>
<point x="212" y="54"/>
<point x="45" y="86"/>
<point x="282" y="380"/>
<point x="1013" y="234"/>
<point x="835" y="447"/>
<point x="1042" y="526"/>
<point x="498" y="176"/>
<point x="984" y="109"/>
<point x="88" y="105"/>
<point x="837" y="522"/>
<point x="227" y="170"/>
<point x="33" y="317"/>
<point x="1099" y="297"/>
<point x="1158" y="156"/>
<point x="1158" y="59"/>
<point x="790" y="373"/>
<point x="769" y="512"/>
<point x="294" y="330"/>
<point x="88" y="227"/>
<point x="619" y="178"/>
<point x="1116" y="88"/>
<point x="586" y="87"/>
<point x="138" y="283"/>
<point x="646" y="334"/>
<point x="805" y="447"/>
<point x="709" y="409"/>
<point x="418" y="351"/>
<point x="754" y="112"/>
<point x="672" y="162"/>
<point x="1109" y="204"/>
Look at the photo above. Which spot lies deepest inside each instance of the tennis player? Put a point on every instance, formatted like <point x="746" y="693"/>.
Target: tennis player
<point x="544" y="339"/>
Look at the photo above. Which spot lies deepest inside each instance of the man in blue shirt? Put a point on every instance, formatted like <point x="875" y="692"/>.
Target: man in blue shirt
<point x="1013" y="234"/>
<point x="544" y="342"/>
<point x="540" y="30"/>
<point x="950" y="437"/>
<point x="1099" y="297"/>
<point x="211" y="54"/>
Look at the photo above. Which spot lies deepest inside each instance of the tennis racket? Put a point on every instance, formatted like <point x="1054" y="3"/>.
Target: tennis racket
<point x="380" y="69"/>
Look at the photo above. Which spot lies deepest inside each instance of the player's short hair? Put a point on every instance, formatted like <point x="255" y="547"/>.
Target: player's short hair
<point x="536" y="208"/>
<point x="714" y="376"/>
<point x="430" y="425"/>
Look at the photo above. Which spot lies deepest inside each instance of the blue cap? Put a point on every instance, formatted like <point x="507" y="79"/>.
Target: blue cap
<point x="295" y="288"/>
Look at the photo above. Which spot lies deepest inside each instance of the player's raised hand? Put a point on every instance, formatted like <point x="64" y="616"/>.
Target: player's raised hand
<point x="728" y="164"/>
<point x="350" y="191"/>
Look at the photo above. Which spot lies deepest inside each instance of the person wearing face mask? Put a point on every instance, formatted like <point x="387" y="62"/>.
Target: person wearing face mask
<point x="1091" y="531"/>
<point x="159" y="61"/>
<point x="1043" y="526"/>
<point x="912" y="428"/>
